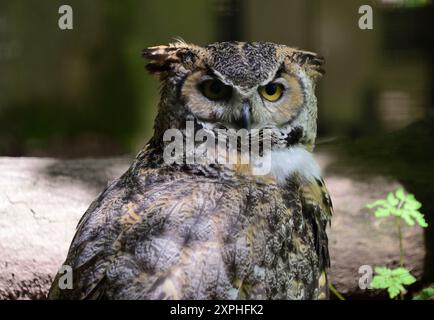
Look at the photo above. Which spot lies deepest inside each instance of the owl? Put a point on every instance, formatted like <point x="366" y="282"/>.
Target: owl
<point x="213" y="229"/>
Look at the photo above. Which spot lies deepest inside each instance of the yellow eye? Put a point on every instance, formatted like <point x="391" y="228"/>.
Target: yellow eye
<point x="215" y="90"/>
<point x="272" y="91"/>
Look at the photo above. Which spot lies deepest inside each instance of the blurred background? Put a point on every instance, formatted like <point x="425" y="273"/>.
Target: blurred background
<point x="85" y="93"/>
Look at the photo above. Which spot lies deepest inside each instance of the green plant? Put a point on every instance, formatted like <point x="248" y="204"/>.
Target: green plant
<point x="403" y="207"/>
<point x="425" y="294"/>
<point x="392" y="279"/>
<point x="335" y="291"/>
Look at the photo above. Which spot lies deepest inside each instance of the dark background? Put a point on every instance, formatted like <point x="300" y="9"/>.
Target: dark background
<point x="84" y="92"/>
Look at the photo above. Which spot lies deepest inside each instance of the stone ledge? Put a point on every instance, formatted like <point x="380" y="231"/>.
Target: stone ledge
<point x="42" y="199"/>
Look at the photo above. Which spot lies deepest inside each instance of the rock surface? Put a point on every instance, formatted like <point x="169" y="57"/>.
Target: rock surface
<point x="41" y="201"/>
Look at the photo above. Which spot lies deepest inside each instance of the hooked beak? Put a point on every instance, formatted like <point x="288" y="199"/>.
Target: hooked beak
<point x="246" y="116"/>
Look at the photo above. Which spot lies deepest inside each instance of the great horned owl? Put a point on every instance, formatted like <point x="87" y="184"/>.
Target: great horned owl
<point x="214" y="231"/>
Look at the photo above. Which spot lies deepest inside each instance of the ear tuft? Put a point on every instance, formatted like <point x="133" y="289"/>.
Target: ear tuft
<point x="312" y="62"/>
<point x="178" y="56"/>
<point x="161" y="58"/>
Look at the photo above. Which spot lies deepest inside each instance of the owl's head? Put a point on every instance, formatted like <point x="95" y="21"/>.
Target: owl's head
<point x="238" y="85"/>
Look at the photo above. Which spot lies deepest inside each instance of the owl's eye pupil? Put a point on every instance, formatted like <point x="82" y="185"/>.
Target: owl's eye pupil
<point x="216" y="87"/>
<point x="215" y="90"/>
<point x="271" y="89"/>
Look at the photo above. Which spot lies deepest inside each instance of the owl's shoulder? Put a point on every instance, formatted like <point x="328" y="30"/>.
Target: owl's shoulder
<point x="143" y="210"/>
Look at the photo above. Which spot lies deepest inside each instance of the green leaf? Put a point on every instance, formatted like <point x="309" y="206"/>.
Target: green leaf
<point x="410" y="215"/>
<point x="391" y="199"/>
<point x="384" y="271"/>
<point x="377" y="203"/>
<point x="392" y="279"/>
<point x="402" y="205"/>
<point x="379" y="282"/>
<point x="398" y="271"/>
<point x="403" y="275"/>
<point x="411" y="202"/>
<point x="400" y="194"/>
<point x="420" y="219"/>
<point x="425" y="294"/>
<point x="382" y="212"/>
<point x="395" y="212"/>
<point x="416" y="205"/>
<point x="394" y="290"/>
<point x="408" y="219"/>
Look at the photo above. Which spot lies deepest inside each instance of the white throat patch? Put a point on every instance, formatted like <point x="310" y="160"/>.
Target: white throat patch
<point x="294" y="160"/>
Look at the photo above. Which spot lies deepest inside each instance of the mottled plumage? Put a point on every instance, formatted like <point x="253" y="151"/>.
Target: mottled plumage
<point x="214" y="231"/>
